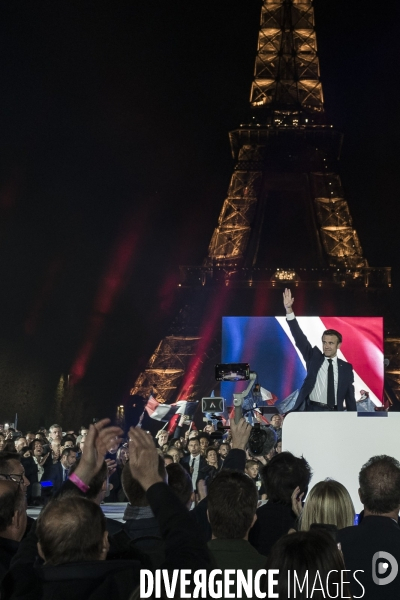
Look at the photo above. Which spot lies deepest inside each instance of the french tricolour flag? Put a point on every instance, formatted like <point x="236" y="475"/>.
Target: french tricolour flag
<point x="268" y="346"/>
<point x="165" y="412"/>
<point x="362" y="347"/>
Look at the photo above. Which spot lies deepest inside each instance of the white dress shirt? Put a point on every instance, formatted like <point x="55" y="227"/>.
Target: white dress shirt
<point x="194" y="462"/>
<point x="320" y="390"/>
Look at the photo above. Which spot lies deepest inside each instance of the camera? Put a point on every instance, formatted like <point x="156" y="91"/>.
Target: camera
<point x="261" y="440"/>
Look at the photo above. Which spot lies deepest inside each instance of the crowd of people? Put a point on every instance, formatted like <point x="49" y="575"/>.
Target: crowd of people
<point x="196" y="501"/>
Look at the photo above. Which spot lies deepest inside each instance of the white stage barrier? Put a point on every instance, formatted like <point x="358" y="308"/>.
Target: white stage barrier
<point x="337" y="444"/>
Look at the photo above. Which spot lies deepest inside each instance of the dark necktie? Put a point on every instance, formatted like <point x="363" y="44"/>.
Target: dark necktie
<point x="66" y="471"/>
<point x="331" y="384"/>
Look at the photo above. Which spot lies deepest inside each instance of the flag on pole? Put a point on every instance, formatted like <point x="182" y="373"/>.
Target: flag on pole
<point x="260" y="417"/>
<point x="268" y="396"/>
<point x="165" y="412"/>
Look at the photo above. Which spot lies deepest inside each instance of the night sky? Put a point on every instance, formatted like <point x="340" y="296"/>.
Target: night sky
<point x="115" y="161"/>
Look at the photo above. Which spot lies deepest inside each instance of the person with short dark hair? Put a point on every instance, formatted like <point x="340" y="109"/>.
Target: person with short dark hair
<point x="312" y="556"/>
<point x="31" y="473"/>
<point x="180" y="481"/>
<point x="204" y="440"/>
<point x="276" y="424"/>
<point x="60" y="470"/>
<point x="168" y="460"/>
<point x="68" y="441"/>
<point x="232" y="503"/>
<point x="177" y="443"/>
<point x="378" y="531"/>
<point x="12" y="469"/>
<point x="13" y="521"/>
<point x="208" y="472"/>
<point x="280" y="477"/>
<point x="223" y="450"/>
<point x="329" y="382"/>
<point x="42" y="464"/>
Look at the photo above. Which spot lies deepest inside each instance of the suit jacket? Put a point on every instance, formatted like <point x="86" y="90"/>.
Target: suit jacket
<point x="360" y="544"/>
<point x="274" y="520"/>
<point x="56" y="475"/>
<point x="314" y="359"/>
<point x="185" y="462"/>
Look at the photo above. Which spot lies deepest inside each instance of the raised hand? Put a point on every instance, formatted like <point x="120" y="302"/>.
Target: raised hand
<point x="240" y="433"/>
<point x="143" y="458"/>
<point x="288" y="300"/>
<point x="111" y="466"/>
<point x="97" y="443"/>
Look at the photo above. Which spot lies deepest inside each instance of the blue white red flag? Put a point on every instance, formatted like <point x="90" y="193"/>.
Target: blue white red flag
<point x="165" y="412"/>
<point x="268" y="346"/>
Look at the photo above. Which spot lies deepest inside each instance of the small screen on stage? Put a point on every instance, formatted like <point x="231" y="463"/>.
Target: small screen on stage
<point x="267" y="345"/>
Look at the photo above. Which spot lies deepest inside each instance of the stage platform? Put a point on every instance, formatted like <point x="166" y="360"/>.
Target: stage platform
<point x="338" y="444"/>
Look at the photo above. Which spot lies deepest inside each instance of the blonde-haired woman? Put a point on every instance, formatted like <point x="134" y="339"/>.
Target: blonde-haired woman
<point x="328" y="502"/>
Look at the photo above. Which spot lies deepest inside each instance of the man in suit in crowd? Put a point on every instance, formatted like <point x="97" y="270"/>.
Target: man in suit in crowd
<point x="60" y="470"/>
<point x="194" y="462"/>
<point x="373" y="547"/>
<point x="329" y="380"/>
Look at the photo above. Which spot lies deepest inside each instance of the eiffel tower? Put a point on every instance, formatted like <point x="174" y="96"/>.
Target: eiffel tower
<point x="285" y="221"/>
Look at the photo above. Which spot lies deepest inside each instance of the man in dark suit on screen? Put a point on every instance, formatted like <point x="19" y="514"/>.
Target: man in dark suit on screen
<point x="329" y="381"/>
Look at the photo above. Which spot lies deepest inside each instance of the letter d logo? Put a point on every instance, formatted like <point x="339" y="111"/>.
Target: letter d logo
<point x="380" y="568"/>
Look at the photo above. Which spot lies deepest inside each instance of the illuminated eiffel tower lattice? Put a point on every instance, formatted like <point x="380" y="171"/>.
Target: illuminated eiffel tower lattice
<point x="285" y="220"/>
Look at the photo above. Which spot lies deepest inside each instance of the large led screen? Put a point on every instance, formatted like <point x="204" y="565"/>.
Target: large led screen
<point x="268" y="346"/>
